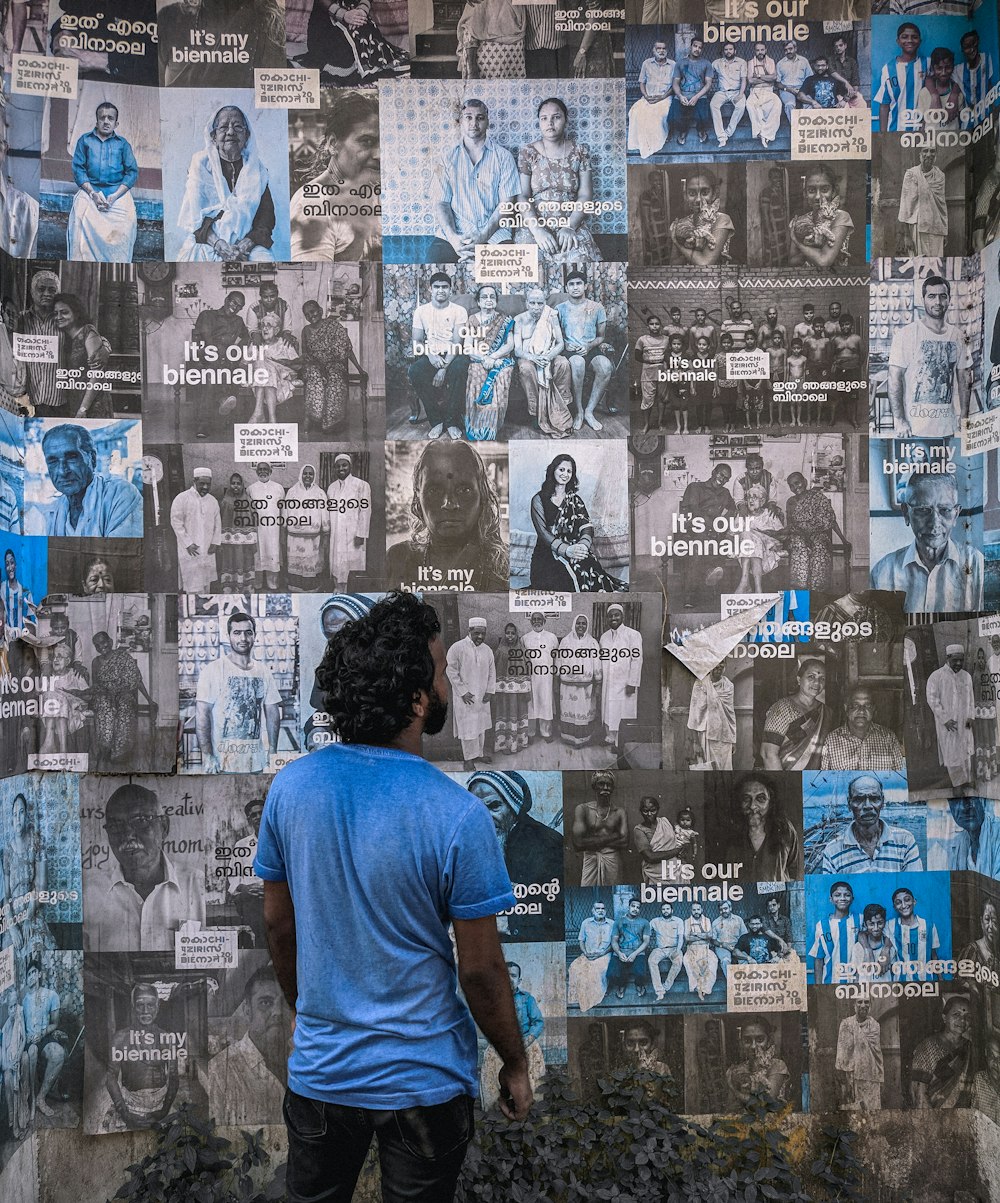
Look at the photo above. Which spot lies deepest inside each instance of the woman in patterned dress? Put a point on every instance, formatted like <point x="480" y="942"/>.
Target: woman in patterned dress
<point x="510" y="725"/>
<point x="239" y="538"/>
<point x="115" y="688"/>
<point x="326" y="352"/>
<point x="345" y="44"/>
<point x="490" y="372"/>
<point x="555" y="168"/>
<point x="809" y="530"/>
<point x="491" y="40"/>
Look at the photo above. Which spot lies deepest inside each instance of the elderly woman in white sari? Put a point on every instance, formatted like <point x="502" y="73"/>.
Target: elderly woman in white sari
<point x="712" y="720"/>
<point x="307" y="524"/>
<point x="544" y="370"/>
<point x="277" y="349"/>
<point x="227" y="212"/>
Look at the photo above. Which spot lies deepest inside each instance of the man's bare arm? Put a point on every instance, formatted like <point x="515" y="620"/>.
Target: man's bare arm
<point x="279" y="921"/>
<point x="203" y="728"/>
<point x="482" y="973"/>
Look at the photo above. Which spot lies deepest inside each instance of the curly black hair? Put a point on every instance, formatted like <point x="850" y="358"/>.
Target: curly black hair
<point x="375" y="666"/>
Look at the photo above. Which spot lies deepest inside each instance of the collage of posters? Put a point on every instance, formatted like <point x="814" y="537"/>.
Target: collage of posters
<point x="297" y="300"/>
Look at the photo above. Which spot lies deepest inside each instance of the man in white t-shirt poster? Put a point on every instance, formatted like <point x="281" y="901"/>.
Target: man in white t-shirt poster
<point x="238" y="703"/>
<point x="929" y="364"/>
<point x="439" y="370"/>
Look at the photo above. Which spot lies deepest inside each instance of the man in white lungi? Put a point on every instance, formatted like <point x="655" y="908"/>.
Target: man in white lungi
<point x="267" y="496"/>
<point x="588" y="973"/>
<point x="540" y="708"/>
<point x="950" y="697"/>
<point x="102" y="222"/>
<point x="859" y="1059"/>
<point x="473" y="680"/>
<point x="197" y="523"/>
<point x="350" y="510"/>
<point x="622" y="672"/>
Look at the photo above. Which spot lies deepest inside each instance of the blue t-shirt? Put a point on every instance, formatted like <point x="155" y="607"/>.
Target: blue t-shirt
<point x="380" y="851"/>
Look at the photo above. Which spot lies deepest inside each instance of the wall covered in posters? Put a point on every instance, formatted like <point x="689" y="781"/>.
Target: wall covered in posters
<point x="659" y="347"/>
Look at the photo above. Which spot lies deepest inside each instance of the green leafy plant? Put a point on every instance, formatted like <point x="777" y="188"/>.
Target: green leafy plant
<point x="192" y="1164"/>
<point x="630" y="1146"/>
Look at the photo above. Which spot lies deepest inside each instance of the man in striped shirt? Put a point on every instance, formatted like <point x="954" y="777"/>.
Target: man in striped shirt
<point x="900" y="83"/>
<point x="470" y="185"/>
<point x="543" y="44"/>
<point x="867" y="845"/>
<point x="38" y="319"/>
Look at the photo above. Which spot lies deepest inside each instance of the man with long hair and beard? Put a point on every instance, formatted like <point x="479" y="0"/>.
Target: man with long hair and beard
<point x="368" y="853"/>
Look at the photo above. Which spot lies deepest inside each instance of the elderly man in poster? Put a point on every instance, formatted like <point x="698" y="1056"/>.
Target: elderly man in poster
<point x="622" y="673"/>
<point x="267" y="496"/>
<point x="937" y="575"/>
<point x="227" y="212"/>
<point x="588" y="973"/>
<point x="600" y="833"/>
<point x="540" y="708"/>
<point x="148" y="897"/>
<point x="91" y="503"/>
<point x="923" y="206"/>
<point x="350" y="513"/>
<point x="102" y="222"/>
<point x="976" y="844"/>
<point x="859" y="1060"/>
<point x="861" y="743"/>
<point x="868" y="844"/>
<point x="197" y="523"/>
<point x="142" y="1090"/>
<point x="952" y="701"/>
<point x="472" y="673"/>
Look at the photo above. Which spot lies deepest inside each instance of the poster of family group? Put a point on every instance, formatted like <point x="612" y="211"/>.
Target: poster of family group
<point x="658" y="348"/>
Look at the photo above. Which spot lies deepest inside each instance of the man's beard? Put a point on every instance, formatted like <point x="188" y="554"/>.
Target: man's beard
<point x="437" y="714"/>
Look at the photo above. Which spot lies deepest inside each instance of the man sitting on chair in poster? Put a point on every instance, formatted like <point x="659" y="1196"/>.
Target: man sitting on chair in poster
<point x="227" y="212"/>
<point x="102" y="223"/>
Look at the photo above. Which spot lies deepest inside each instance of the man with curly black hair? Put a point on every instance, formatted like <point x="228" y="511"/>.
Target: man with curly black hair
<point x="368" y="853"/>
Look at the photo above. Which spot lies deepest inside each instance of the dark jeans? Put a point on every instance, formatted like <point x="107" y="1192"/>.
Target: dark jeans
<point x="444" y="405"/>
<point x="619" y="973"/>
<point x="420" y="1149"/>
<point x="681" y="115"/>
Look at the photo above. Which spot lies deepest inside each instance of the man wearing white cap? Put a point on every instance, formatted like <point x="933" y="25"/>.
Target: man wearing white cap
<point x="197" y="523"/>
<point x="950" y="697"/>
<point x="350" y="509"/>
<point x="540" y="708"/>
<point x="473" y="678"/>
<point x="621" y="651"/>
<point x="267" y="495"/>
